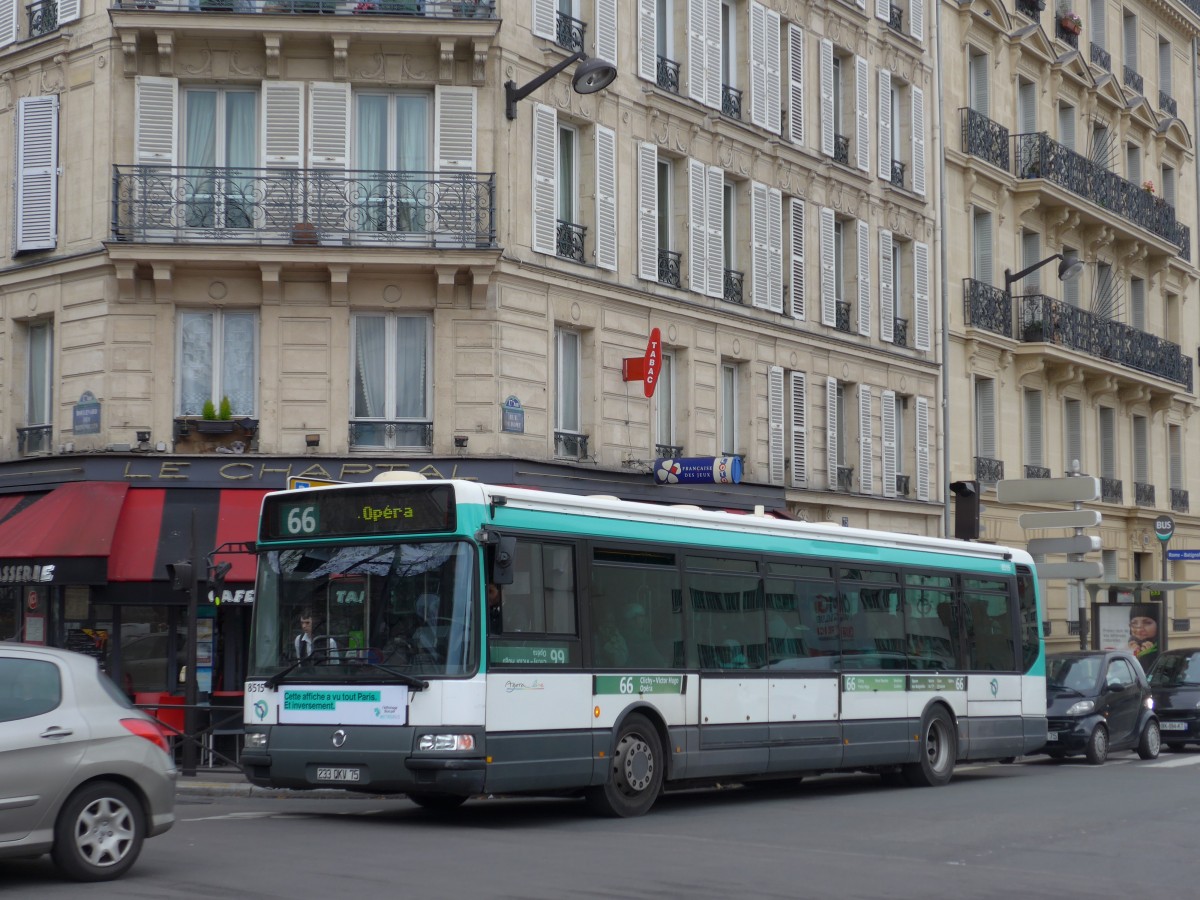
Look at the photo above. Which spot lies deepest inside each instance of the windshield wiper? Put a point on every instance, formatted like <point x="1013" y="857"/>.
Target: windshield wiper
<point x="315" y="656"/>
<point x="1063" y="687"/>
<point x="417" y="684"/>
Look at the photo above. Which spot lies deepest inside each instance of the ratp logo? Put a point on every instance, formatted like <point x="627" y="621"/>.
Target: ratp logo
<point x="995" y="686"/>
<point x="260" y="710"/>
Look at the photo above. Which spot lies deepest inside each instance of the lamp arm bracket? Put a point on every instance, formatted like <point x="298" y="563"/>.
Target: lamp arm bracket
<point x="514" y="95"/>
<point x="1010" y="278"/>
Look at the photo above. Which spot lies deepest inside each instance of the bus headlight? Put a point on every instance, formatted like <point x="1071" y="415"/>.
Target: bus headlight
<point x="446" y="742"/>
<point x="255" y="740"/>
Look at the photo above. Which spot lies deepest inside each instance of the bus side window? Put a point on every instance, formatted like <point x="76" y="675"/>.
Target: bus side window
<point x="541" y="598"/>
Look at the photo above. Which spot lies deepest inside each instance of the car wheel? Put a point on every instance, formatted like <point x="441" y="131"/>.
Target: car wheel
<point x="436" y="802"/>
<point x="635" y="775"/>
<point x="1097" y="746"/>
<point x="1151" y="741"/>
<point x="99" y="832"/>
<point x="938" y="751"/>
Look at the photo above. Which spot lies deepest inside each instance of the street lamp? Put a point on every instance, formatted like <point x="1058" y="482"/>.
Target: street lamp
<point x="592" y="75"/>
<point x="1068" y="269"/>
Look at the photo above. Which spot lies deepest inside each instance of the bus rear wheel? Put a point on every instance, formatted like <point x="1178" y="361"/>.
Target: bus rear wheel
<point x="635" y="774"/>
<point x="939" y="749"/>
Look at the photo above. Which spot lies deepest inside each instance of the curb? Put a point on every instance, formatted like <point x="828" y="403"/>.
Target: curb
<point x="187" y="787"/>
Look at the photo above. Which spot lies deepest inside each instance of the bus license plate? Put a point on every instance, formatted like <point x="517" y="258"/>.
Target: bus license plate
<point x="328" y="773"/>
<point x="1172" y="726"/>
<point x="1052" y="736"/>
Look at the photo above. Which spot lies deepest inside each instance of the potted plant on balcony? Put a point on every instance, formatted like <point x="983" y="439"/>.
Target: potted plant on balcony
<point x="214" y="422"/>
<point x="1034" y="331"/>
<point x="1148" y="186"/>
<point x="1071" y="23"/>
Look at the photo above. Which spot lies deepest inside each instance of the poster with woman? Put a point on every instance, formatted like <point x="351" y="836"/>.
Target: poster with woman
<point x="1130" y="626"/>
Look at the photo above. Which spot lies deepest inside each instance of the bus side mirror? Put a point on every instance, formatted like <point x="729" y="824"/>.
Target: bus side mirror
<point x="502" y="561"/>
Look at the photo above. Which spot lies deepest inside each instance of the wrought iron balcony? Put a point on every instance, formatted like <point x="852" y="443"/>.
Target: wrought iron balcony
<point x="1133" y="80"/>
<point x="434" y="9"/>
<point x="43" y="17"/>
<point x="1037" y="156"/>
<point x="1070" y="38"/>
<point x="731" y="101"/>
<point x="570" y="445"/>
<point x="1179" y="500"/>
<point x="984" y="138"/>
<point x="1112" y="490"/>
<point x="900" y="332"/>
<point x="1031" y="8"/>
<point x="569" y="240"/>
<point x="841" y="320"/>
<point x="1046" y="628"/>
<point x="35" y="439"/>
<point x="569" y="32"/>
<point x="895" y="18"/>
<point x="1054" y="321"/>
<point x="1167" y="103"/>
<point x="1143" y="494"/>
<point x="668" y="267"/>
<point x="1182" y="624"/>
<point x="668" y="74"/>
<point x="1073" y="628"/>
<point x="192" y="204"/>
<point x="734" y="282"/>
<point x="1101" y="57"/>
<point x="668" y="451"/>
<point x="987" y="307"/>
<point x="841" y="149"/>
<point x="989" y="470"/>
<point x="845" y="478"/>
<point x="375" y="434"/>
<point x="897" y="178"/>
<point x="1037" y="472"/>
<point x="902" y="481"/>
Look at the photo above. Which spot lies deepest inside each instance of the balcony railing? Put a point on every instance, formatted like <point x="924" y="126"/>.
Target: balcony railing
<point x="668" y="75"/>
<point x="569" y="242"/>
<point x="1167" y="102"/>
<point x="668" y="267"/>
<point x="1037" y="156"/>
<point x="1031" y="8"/>
<point x="841" y="319"/>
<point x="984" y="138"/>
<point x="841" y="149"/>
<point x="845" y="478"/>
<point x="34" y="439"/>
<point x="1133" y="80"/>
<point x="1112" y="490"/>
<point x="987" y="307"/>
<point x="1143" y="494"/>
<point x="1101" y="57"/>
<point x="43" y="17"/>
<point x="1037" y="472"/>
<point x="895" y="18"/>
<point x="668" y="451"/>
<point x="570" y="445"/>
<point x="902" y="481"/>
<point x="430" y="9"/>
<point x="734" y="282"/>
<point x="1179" y="500"/>
<point x="900" y="332"/>
<point x="1182" y="624"/>
<point x="187" y="204"/>
<point x="897" y="178"/>
<point x="377" y="434"/>
<point x="1054" y="321"/>
<point x="989" y="470"/>
<point x="731" y="101"/>
<point x="1071" y="38"/>
<point x="569" y="32"/>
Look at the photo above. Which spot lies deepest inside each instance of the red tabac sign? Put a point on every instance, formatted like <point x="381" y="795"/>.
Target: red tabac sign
<point x="647" y="368"/>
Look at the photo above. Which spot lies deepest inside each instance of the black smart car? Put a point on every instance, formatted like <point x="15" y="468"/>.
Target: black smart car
<point x="1175" y="684"/>
<point x="1097" y="701"/>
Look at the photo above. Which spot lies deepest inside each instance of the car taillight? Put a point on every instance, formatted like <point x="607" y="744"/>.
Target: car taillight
<point x="145" y="728"/>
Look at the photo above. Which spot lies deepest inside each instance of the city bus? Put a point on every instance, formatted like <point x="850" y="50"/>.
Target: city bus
<point x="469" y="639"/>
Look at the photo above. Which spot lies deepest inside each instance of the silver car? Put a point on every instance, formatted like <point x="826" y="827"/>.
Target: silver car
<point x="84" y="775"/>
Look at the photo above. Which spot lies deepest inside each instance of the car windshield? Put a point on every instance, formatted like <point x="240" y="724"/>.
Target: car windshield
<point x="1074" y="673"/>
<point x="1176" y="670"/>
<point x="337" y="613"/>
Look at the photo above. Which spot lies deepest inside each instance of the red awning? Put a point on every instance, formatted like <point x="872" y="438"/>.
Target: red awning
<point x="9" y="502"/>
<point x="76" y="519"/>
<point x="237" y="522"/>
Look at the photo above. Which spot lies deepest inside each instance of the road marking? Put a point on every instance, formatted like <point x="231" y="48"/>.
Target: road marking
<point x="1175" y="762"/>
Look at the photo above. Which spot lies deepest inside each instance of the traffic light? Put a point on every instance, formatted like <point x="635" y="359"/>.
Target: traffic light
<point x="180" y="574"/>
<point x="966" y="509"/>
<point x="216" y="580"/>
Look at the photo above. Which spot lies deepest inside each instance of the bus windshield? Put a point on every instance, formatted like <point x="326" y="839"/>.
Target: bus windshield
<point x="334" y="611"/>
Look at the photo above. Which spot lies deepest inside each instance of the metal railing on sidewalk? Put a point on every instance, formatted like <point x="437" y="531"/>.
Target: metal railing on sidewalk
<point x="198" y="744"/>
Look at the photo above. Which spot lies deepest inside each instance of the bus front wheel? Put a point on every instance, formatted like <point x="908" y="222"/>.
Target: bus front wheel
<point x="939" y="749"/>
<point x="635" y="774"/>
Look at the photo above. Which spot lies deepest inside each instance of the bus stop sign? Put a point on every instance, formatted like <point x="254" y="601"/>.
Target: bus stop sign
<point x="1164" y="527"/>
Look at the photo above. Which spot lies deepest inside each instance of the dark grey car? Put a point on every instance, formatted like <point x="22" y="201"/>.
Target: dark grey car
<point x="1175" y="682"/>
<point x="84" y="775"/>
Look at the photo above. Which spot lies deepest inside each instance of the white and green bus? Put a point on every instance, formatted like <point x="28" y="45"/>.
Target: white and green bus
<point x="466" y="639"/>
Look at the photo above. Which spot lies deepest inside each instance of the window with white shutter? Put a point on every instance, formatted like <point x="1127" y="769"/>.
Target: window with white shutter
<point x="1164" y="66"/>
<point x="795" y="117"/>
<point x="1096" y="30"/>
<point x="648" y="212"/>
<point x="717" y="250"/>
<point x="606" y="30"/>
<point x="648" y="46"/>
<point x="862" y="113"/>
<point x="758" y="64"/>
<point x="328" y="125"/>
<point x="883" y="10"/>
<point x="1034" y="442"/>
<point x="828" y="269"/>
<point x="1141" y="450"/>
<point x="866" y="445"/>
<point x="455" y="128"/>
<point x="1073" y="425"/>
<point x="68" y="11"/>
<point x="981" y="245"/>
<point x="985" y="418"/>
<point x="544" y="18"/>
<point x="606" y="198"/>
<point x="775" y="437"/>
<point x="8" y="21"/>
<point x="916" y="20"/>
<point x="775" y="250"/>
<point x="885" y="124"/>
<point x="832" y="450"/>
<point x="922" y="312"/>
<point x="828" y="106"/>
<point x="1175" y="456"/>
<point x="545" y="178"/>
<point x="697" y="226"/>
<point x="705" y="56"/>
<point x="1130" y="23"/>
<point x="922" y="426"/>
<point x="887" y="304"/>
<point x="283" y="124"/>
<point x="796" y="233"/>
<point x="917" y="96"/>
<point x="156" y="120"/>
<point x="863" y="247"/>
<point x="37" y="173"/>
<point x="979" y="81"/>
<point x="774" y="71"/>
<point x="759" y="257"/>
<point x="799" y="430"/>
<point x="888" y="423"/>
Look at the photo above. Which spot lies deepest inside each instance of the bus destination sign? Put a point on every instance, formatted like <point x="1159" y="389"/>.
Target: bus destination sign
<point x="374" y="510"/>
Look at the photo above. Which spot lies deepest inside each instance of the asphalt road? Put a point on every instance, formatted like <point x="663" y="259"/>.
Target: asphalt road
<point x="1030" y="830"/>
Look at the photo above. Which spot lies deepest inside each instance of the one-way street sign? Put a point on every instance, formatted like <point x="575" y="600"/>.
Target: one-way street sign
<point x="1084" y="543"/>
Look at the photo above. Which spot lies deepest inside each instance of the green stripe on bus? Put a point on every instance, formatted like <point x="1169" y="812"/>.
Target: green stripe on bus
<point x="868" y="683"/>
<point x="937" y="682"/>
<point x="639" y="684"/>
